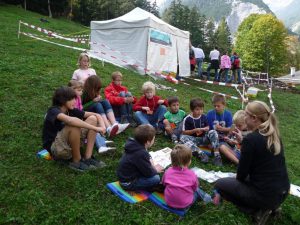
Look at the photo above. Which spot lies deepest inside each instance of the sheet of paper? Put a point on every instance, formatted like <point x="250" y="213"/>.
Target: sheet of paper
<point x="162" y="157"/>
<point x="211" y="176"/>
<point x="295" y="190"/>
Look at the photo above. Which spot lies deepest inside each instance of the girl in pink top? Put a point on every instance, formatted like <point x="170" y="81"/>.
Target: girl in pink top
<point x="225" y="66"/>
<point x="77" y="86"/>
<point x="84" y="71"/>
<point x="181" y="183"/>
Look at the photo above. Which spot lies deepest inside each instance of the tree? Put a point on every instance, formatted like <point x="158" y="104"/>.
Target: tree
<point x="49" y="9"/>
<point x="223" y="39"/>
<point x="210" y="37"/>
<point x="261" y="42"/>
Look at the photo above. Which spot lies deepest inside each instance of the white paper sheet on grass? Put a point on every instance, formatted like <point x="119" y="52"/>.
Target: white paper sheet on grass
<point x="211" y="176"/>
<point x="295" y="190"/>
<point x="162" y="157"/>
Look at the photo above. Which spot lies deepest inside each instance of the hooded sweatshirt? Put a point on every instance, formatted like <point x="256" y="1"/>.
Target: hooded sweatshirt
<point x="135" y="162"/>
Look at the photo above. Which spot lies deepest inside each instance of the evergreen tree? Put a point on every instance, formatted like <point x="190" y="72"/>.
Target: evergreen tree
<point x="210" y="37"/>
<point x="223" y="40"/>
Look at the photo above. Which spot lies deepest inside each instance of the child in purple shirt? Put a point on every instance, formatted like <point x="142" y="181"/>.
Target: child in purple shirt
<point x="181" y="183"/>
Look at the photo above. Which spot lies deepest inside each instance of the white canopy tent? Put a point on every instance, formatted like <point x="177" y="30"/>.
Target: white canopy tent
<point x="140" y="38"/>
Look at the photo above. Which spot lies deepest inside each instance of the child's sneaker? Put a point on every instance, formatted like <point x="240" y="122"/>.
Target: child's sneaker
<point x="104" y="149"/>
<point x="122" y="127"/>
<point x="79" y="166"/>
<point x="112" y="130"/>
<point x="201" y="155"/>
<point x="107" y="142"/>
<point x="174" y="139"/>
<point x="216" y="198"/>
<point x="217" y="161"/>
<point x="94" y="164"/>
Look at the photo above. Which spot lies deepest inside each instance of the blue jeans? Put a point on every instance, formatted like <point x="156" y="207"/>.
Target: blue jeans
<point x="99" y="141"/>
<point x="201" y="195"/>
<point x="238" y="72"/>
<point x="142" y="183"/>
<point x="143" y="118"/>
<point x="193" y="142"/>
<point x="123" y="110"/>
<point x="225" y="70"/>
<point x="199" y="62"/>
<point x="102" y="107"/>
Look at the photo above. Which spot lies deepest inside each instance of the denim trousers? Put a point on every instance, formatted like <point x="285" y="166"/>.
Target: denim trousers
<point x="143" y="118"/>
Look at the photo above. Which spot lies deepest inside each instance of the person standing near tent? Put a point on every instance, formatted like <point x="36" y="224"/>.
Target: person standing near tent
<point x="224" y="67"/>
<point x="199" y="55"/>
<point x="262" y="182"/>
<point x="214" y="62"/>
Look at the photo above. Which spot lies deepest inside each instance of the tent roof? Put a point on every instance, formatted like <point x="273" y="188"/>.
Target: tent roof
<point x="138" y="18"/>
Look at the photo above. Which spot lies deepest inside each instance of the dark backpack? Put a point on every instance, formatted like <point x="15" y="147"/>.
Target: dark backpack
<point x="236" y="63"/>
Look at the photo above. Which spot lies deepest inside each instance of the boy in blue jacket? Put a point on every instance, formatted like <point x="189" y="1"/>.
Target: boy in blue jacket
<point x="136" y="169"/>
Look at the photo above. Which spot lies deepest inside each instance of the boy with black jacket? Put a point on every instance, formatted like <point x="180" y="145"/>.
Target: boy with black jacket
<point x="136" y="169"/>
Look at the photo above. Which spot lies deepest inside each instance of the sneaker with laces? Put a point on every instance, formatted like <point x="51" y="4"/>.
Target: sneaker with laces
<point x="94" y="164"/>
<point x="112" y="130"/>
<point x="104" y="149"/>
<point x="122" y="127"/>
<point x="217" y="161"/>
<point x="79" y="166"/>
<point x="203" y="157"/>
<point x="107" y="142"/>
<point x="174" y="139"/>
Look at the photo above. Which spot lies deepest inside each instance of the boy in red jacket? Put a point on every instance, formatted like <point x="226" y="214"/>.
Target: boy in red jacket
<point x="120" y="99"/>
<point x="150" y="108"/>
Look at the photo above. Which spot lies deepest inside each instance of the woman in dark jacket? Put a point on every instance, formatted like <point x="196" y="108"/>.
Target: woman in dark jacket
<point x="262" y="182"/>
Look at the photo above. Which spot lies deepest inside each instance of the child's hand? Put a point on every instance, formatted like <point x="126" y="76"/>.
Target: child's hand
<point x="97" y="99"/>
<point x="219" y="127"/>
<point x="205" y="129"/>
<point x="199" y="131"/>
<point x="160" y="101"/>
<point x="129" y="100"/>
<point x="159" y="168"/>
<point x="238" y="135"/>
<point x="146" y="108"/>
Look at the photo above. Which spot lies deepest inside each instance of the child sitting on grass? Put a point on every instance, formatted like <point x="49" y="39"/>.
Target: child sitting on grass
<point x="181" y="183"/>
<point x="93" y="102"/>
<point x="231" y="147"/>
<point x="173" y="119"/>
<point x="150" y="108"/>
<point x="64" y="131"/>
<point x="220" y="120"/>
<point x="100" y="141"/>
<point x="120" y="99"/>
<point x="136" y="169"/>
<point x="195" y="131"/>
<point x="84" y="71"/>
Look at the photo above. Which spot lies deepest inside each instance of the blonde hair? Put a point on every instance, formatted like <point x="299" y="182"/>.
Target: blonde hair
<point x="269" y="126"/>
<point x="239" y="117"/>
<point x="75" y="84"/>
<point x="181" y="156"/>
<point x="116" y="74"/>
<point x="83" y="54"/>
<point x="148" y="86"/>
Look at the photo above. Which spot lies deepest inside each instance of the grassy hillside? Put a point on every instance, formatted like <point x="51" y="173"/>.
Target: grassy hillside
<point x="35" y="191"/>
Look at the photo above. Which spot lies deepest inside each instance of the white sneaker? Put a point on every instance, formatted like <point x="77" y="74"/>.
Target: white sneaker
<point x="108" y="142"/>
<point x="103" y="149"/>
<point x="122" y="127"/>
<point x="113" y="130"/>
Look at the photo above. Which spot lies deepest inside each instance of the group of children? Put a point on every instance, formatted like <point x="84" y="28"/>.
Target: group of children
<point x="67" y="127"/>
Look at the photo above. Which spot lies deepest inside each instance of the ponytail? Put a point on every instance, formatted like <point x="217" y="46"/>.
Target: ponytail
<point x="269" y="125"/>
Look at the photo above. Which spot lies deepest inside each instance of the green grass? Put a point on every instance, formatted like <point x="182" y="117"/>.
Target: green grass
<point x="35" y="191"/>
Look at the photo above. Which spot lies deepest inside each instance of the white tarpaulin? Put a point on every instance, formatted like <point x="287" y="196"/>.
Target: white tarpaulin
<point x="145" y="40"/>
